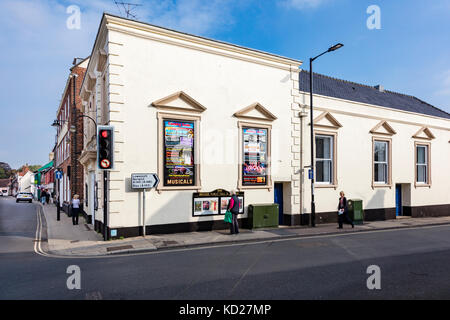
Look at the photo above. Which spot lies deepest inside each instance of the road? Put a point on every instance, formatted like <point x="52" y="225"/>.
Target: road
<point x="414" y="264"/>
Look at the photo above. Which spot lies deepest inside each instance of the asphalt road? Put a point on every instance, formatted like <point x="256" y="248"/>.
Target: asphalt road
<point x="414" y="264"/>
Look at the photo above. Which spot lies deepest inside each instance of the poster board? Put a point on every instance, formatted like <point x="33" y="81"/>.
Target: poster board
<point x="254" y="166"/>
<point x="214" y="203"/>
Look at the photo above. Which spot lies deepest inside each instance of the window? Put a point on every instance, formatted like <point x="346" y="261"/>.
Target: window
<point x="422" y="160"/>
<point x="324" y="159"/>
<point x="254" y="162"/>
<point x="178" y="154"/>
<point x="381" y="163"/>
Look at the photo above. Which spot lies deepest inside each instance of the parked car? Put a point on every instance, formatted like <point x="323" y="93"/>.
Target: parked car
<point x="24" y="196"/>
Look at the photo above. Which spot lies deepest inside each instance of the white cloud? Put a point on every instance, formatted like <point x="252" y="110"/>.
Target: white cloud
<point x="302" y="4"/>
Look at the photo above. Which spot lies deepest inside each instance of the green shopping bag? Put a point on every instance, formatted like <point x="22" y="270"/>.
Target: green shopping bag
<point x="228" y="217"/>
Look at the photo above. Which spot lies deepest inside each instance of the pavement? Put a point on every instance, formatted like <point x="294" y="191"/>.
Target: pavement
<point x="65" y="239"/>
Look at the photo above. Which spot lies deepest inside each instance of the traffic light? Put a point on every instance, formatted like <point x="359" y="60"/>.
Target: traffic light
<point x="105" y="147"/>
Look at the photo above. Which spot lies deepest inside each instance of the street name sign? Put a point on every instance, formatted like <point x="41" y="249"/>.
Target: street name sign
<point x="144" y="180"/>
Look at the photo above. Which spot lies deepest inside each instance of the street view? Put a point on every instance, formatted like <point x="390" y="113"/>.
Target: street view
<point x="225" y="155"/>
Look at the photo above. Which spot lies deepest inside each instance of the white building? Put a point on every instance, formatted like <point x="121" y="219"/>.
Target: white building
<point x="207" y="115"/>
<point x="26" y="181"/>
<point x="388" y="149"/>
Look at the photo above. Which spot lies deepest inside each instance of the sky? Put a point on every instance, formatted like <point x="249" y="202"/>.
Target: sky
<point x="405" y="48"/>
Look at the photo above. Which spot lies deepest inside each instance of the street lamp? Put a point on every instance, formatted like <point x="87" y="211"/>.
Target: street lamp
<point x="313" y="205"/>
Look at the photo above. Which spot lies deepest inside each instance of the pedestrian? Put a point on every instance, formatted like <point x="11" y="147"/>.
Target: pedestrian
<point x="47" y="196"/>
<point x="43" y="197"/>
<point x="75" y="208"/>
<point x="233" y="206"/>
<point x="343" y="211"/>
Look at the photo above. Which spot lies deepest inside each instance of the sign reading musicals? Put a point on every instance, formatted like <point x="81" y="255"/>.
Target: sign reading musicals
<point x="254" y="167"/>
<point x="179" y="167"/>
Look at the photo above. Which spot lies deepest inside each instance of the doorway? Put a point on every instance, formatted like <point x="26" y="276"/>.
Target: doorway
<point x="398" y="200"/>
<point x="278" y="198"/>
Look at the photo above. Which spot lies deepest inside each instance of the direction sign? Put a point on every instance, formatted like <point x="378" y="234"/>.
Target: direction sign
<point x="144" y="180"/>
<point x="58" y="175"/>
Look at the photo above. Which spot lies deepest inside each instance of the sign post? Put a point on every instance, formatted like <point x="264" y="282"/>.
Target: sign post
<point x="58" y="177"/>
<point x="144" y="181"/>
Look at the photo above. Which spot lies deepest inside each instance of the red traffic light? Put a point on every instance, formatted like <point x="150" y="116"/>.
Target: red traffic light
<point x="104" y="134"/>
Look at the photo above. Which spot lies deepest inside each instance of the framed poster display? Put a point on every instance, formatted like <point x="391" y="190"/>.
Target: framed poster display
<point x="224" y="204"/>
<point x="254" y="162"/>
<point x="206" y="206"/>
<point x="214" y="203"/>
<point x="179" y="168"/>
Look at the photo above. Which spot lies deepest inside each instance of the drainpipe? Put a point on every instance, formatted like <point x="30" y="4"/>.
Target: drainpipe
<point x="302" y="115"/>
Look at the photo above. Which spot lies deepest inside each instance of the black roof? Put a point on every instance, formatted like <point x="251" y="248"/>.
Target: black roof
<point x="327" y="86"/>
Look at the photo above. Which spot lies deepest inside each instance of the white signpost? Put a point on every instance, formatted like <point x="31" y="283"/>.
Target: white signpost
<point x="144" y="181"/>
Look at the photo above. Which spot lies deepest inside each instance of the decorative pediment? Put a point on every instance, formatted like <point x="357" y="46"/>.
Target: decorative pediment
<point x="179" y="101"/>
<point x="383" y="128"/>
<point x="326" y="120"/>
<point x="256" y="112"/>
<point x="424" y="133"/>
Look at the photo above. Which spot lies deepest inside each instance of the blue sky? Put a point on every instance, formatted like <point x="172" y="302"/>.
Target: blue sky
<point x="409" y="54"/>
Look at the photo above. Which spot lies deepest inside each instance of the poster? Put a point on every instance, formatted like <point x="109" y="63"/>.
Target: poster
<point x="254" y="167"/>
<point x="224" y="204"/>
<point x="206" y="206"/>
<point x="179" y="167"/>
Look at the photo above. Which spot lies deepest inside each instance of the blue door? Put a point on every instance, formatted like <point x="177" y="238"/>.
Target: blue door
<point x="398" y="199"/>
<point x="279" y="199"/>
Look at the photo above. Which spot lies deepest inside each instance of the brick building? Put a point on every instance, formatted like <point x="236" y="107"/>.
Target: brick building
<point x="69" y="137"/>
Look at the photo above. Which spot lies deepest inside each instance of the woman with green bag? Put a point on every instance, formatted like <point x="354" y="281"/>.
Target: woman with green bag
<point x="233" y="207"/>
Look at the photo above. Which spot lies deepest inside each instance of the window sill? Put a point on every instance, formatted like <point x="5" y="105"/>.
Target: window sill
<point x="374" y="185"/>
<point x="418" y="185"/>
<point x="196" y="188"/>
<point x="319" y="186"/>
<point x="254" y="187"/>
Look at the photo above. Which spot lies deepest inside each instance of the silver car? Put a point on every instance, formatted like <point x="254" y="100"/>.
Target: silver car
<point x="24" y="196"/>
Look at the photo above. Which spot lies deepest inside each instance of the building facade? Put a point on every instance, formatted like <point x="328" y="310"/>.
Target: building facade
<point x="220" y="102"/>
<point x="69" y="138"/>
<point x="209" y="117"/>
<point x="388" y="149"/>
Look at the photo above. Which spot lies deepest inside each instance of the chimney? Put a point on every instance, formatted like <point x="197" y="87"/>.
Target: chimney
<point x="379" y="87"/>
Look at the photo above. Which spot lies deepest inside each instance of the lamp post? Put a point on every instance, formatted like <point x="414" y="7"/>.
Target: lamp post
<point x="55" y="124"/>
<point x="313" y="205"/>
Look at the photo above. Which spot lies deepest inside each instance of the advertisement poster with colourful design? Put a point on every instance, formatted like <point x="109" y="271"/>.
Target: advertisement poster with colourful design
<point x="254" y="167"/>
<point x="179" y="169"/>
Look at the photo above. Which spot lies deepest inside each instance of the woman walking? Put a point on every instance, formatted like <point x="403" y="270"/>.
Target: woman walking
<point x="343" y="211"/>
<point x="75" y="209"/>
<point x="233" y="206"/>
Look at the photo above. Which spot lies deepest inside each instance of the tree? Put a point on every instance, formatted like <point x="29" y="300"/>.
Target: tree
<point x="5" y="170"/>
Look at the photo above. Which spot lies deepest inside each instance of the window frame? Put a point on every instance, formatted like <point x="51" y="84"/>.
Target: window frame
<point x="162" y="116"/>
<point x="428" y="164"/>
<point x="388" y="183"/>
<point x="334" y="181"/>
<point x="254" y="125"/>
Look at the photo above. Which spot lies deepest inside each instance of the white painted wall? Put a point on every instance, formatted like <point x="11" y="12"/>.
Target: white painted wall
<point x="354" y="155"/>
<point x="153" y="70"/>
